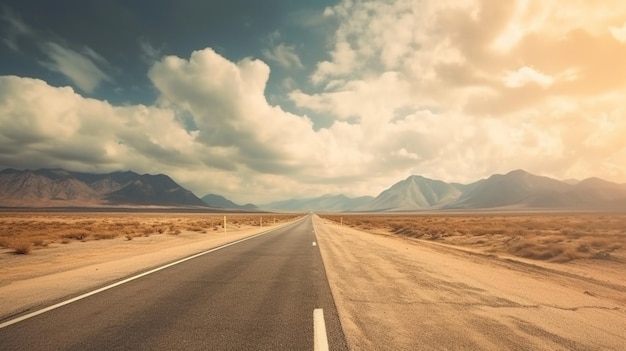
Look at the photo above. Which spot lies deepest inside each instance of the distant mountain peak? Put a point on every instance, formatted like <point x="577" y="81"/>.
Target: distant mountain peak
<point x="220" y="201"/>
<point x="518" y="172"/>
<point x="62" y="188"/>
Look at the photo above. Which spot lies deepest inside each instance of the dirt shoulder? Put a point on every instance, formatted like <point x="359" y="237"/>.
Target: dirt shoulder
<point x="395" y="293"/>
<point x="53" y="273"/>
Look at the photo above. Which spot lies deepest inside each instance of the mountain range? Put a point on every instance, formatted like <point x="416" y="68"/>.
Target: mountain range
<point x="516" y="190"/>
<point x="61" y="188"/>
<point x="330" y="203"/>
<point x="214" y="200"/>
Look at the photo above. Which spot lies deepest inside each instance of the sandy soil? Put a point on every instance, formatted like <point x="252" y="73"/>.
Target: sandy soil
<point x="53" y="273"/>
<point x="397" y="293"/>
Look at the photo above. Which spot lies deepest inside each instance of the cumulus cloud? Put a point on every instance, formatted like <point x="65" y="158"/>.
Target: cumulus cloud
<point x="478" y="86"/>
<point x="446" y="89"/>
<point x="243" y="146"/>
<point x="63" y="128"/>
<point x="228" y="105"/>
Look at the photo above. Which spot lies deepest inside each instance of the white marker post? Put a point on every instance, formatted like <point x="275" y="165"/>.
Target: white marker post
<point x="224" y="224"/>
<point x="261" y="222"/>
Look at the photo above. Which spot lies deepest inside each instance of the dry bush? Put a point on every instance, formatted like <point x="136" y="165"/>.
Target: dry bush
<point x="550" y="237"/>
<point x="40" y="243"/>
<point x="76" y="235"/>
<point x="104" y="236"/>
<point x="41" y="229"/>
<point x="541" y="251"/>
<point x="22" y="247"/>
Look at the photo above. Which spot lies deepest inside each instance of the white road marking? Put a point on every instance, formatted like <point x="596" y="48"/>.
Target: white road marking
<point x="67" y="302"/>
<point x="320" y="341"/>
<point x="314" y="243"/>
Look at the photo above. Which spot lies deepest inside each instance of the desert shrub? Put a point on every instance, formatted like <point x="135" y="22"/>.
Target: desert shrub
<point x="542" y="252"/>
<point x="602" y="255"/>
<point x="40" y="243"/>
<point x="568" y="254"/>
<point x="76" y="235"/>
<point x="102" y="236"/>
<point x="583" y="248"/>
<point x="22" y="247"/>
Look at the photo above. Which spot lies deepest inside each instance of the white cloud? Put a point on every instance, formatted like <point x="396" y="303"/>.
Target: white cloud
<point x="448" y="58"/>
<point x="619" y="33"/>
<point x="15" y="28"/>
<point x="285" y="55"/>
<point x="149" y="53"/>
<point x="342" y="64"/>
<point x="525" y="75"/>
<point x="85" y="67"/>
<point x="446" y="104"/>
<point x="80" y="68"/>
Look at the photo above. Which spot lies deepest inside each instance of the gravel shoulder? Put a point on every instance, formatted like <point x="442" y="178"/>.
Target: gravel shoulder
<point x="395" y="293"/>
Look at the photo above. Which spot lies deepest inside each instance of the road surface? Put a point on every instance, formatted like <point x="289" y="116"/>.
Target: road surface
<point x="259" y="294"/>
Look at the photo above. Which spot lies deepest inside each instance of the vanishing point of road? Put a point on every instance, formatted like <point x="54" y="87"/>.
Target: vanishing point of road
<point x="258" y="294"/>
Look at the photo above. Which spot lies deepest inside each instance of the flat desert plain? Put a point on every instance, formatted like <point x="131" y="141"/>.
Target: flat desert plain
<point x="400" y="282"/>
<point x="478" y="281"/>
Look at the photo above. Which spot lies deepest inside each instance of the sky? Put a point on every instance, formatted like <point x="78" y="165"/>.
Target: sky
<point x="262" y="101"/>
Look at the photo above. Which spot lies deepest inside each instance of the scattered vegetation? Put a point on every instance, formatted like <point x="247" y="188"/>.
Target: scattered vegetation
<point x="21" y="232"/>
<point x="22" y="248"/>
<point x="548" y="237"/>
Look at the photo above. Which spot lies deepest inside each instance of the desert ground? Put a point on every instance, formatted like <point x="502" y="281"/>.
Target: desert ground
<point x="400" y="282"/>
<point x="478" y="282"/>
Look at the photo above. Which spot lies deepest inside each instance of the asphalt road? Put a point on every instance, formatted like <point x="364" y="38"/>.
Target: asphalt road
<point x="259" y="294"/>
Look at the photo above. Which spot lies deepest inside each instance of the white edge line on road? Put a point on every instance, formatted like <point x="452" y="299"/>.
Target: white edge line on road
<point x="320" y="340"/>
<point x="67" y="302"/>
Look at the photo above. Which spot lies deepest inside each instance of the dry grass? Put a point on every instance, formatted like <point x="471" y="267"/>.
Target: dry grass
<point x="22" y="232"/>
<point x="548" y="237"/>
